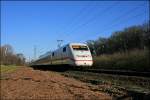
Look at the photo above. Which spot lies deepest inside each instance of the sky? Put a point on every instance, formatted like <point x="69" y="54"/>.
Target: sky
<point x="29" y="24"/>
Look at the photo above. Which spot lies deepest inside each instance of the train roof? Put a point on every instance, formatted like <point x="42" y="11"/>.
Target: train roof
<point x="77" y="44"/>
<point x="49" y="52"/>
<point x="74" y="43"/>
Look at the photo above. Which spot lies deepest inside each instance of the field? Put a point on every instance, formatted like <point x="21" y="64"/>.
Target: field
<point x="41" y="83"/>
<point x="28" y="83"/>
<point x="8" y="68"/>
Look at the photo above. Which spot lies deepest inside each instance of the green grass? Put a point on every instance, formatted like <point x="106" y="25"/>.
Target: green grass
<point x="8" y="68"/>
<point x="133" y="60"/>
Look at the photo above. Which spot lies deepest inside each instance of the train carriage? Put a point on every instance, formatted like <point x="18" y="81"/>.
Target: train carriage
<point x="75" y="54"/>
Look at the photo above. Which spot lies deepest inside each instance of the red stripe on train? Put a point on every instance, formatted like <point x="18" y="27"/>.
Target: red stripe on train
<point x="76" y="60"/>
<point x="71" y="59"/>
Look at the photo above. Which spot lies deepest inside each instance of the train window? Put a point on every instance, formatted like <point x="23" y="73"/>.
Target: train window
<point x="64" y="49"/>
<point x="79" y="47"/>
<point x="53" y="54"/>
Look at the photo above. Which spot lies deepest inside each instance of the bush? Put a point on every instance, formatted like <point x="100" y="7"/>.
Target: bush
<point x="132" y="60"/>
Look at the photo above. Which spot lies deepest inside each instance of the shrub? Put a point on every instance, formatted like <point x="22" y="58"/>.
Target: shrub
<point x="132" y="60"/>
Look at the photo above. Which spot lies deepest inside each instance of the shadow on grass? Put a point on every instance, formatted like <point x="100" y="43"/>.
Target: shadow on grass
<point x="57" y="68"/>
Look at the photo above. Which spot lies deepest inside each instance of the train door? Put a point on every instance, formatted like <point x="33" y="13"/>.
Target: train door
<point x="64" y="55"/>
<point x="51" y="58"/>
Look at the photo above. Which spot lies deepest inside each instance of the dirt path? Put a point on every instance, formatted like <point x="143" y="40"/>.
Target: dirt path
<point x="26" y="83"/>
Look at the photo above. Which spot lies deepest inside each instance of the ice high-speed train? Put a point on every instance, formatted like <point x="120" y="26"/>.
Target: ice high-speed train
<point x="75" y="54"/>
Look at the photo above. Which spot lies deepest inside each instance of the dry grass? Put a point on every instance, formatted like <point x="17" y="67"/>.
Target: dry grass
<point x="133" y="60"/>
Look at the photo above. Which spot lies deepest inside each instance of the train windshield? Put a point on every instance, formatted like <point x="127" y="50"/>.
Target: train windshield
<point x="80" y="47"/>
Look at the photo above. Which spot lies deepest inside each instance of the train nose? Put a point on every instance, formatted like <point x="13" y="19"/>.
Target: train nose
<point x="83" y="63"/>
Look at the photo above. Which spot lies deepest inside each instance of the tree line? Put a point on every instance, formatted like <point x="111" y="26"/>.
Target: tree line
<point x="8" y="57"/>
<point x="135" y="37"/>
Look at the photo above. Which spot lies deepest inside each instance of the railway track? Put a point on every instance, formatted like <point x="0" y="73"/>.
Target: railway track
<point x="127" y="80"/>
<point x="133" y="85"/>
<point x="63" y="68"/>
<point x="118" y="72"/>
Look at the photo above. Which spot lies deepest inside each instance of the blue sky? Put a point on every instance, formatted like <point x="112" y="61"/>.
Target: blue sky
<point x="41" y="23"/>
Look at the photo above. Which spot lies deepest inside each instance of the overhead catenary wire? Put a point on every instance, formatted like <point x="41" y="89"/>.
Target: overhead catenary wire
<point x="121" y="17"/>
<point x="137" y="15"/>
<point x="93" y="18"/>
<point x="80" y="14"/>
<point x="105" y="10"/>
<point x="77" y="16"/>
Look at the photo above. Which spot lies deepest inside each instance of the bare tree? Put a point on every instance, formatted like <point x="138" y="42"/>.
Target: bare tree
<point x="8" y="57"/>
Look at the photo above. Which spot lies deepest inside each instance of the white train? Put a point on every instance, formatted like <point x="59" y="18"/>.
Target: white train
<point x="75" y="54"/>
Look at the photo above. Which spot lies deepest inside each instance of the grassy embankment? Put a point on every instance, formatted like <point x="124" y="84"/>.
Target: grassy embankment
<point x="134" y="60"/>
<point x="8" y="68"/>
